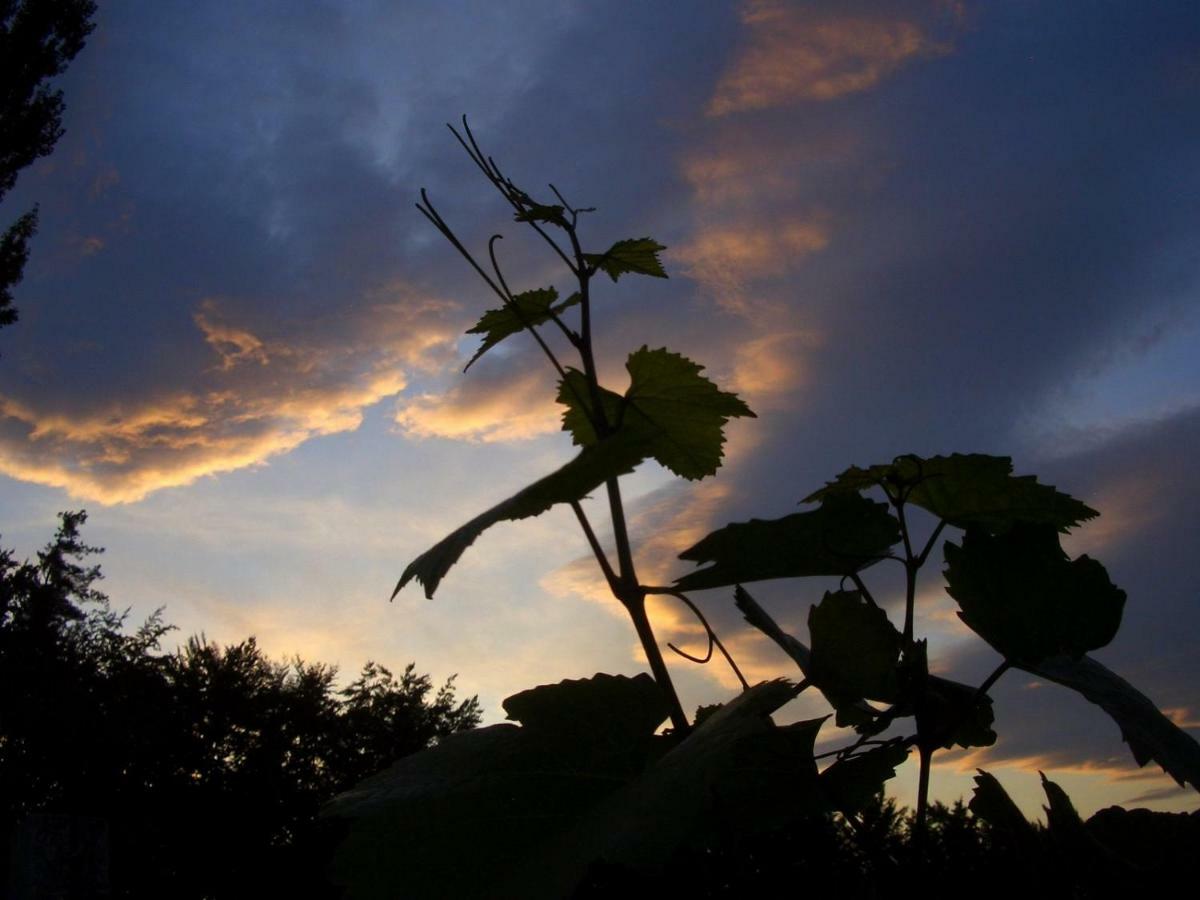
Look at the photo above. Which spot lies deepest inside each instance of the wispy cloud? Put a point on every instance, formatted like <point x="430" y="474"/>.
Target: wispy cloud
<point x="266" y="395"/>
<point x="512" y="406"/>
<point x="793" y="54"/>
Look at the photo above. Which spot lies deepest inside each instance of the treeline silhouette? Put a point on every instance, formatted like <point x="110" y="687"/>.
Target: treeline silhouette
<point x="128" y="771"/>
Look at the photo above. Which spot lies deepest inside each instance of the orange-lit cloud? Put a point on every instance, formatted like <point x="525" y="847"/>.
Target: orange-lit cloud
<point x="508" y="408"/>
<point x="727" y="259"/>
<point x="792" y="55"/>
<point x="769" y="369"/>
<point x="232" y="344"/>
<point x="266" y="396"/>
<point x="1126" y="507"/>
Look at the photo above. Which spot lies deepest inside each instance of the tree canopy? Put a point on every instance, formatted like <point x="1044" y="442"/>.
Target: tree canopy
<point x="38" y="38"/>
<point x="207" y="764"/>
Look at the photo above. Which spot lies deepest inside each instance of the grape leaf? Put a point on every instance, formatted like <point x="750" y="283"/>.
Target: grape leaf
<point x="616" y="455"/>
<point x="736" y="766"/>
<point x="506" y="791"/>
<point x="603" y="709"/>
<point x="637" y="255"/>
<point x="967" y="490"/>
<point x="577" y="417"/>
<point x="844" y="534"/>
<point x="855" y="649"/>
<point x="951" y="710"/>
<point x="761" y="619"/>
<point x="668" y="404"/>
<point x="1149" y="733"/>
<point x="530" y="307"/>
<point x="991" y="803"/>
<point x="850" y="784"/>
<point x="1021" y="594"/>
<point x="542" y="212"/>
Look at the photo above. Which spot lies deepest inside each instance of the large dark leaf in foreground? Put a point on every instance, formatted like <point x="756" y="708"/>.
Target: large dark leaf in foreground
<point x="1021" y="593"/>
<point x="855" y="650"/>
<point x="496" y="793"/>
<point x="584" y="780"/>
<point x="735" y="775"/>
<point x="967" y="490"/>
<point x="844" y="534"/>
<point x="1149" y="733"/>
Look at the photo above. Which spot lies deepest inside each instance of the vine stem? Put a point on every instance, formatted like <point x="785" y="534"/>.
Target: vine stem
<point x="623" y="582"/>
<point x="926" y="756"/>
<point x="713" y="640"/>
<point x="911" y="565"/>
<point x="991" y="680"/>
<point x="601" y="558"/>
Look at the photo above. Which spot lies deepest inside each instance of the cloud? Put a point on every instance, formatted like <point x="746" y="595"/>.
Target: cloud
<point x="265" y="396"/>
<point x="233" y="345"/>
<point x="794" y="55"/>
<point x="515" y="405"/>
<point x="727" y="259"/>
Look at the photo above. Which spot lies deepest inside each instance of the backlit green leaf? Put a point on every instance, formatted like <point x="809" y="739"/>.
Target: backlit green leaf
<point x="1021" y="594"/>
<point x="967" y="490"/>
<point x="594" y="465"/>
<point x="844" y="534"/>
<point x="573" y="394"/>
<point x="637" y="255"/>
<point x="669" y="404"/>
<point x="531" y="308"/>
<point x="855" y="650"/>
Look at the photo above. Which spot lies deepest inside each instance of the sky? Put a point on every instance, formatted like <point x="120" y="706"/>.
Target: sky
<point x="892" y="227"/>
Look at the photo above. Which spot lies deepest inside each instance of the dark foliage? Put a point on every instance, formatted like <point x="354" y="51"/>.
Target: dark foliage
<point x="38" y="38"/>
<point x="207" y="766"/>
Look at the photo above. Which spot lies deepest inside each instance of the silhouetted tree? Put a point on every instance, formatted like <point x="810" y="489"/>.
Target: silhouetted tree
<point x="37" y="40"/>
<point x="207" y="765"/>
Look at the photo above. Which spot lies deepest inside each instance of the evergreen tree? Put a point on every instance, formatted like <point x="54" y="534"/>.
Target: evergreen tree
<point x="38" y="38"/>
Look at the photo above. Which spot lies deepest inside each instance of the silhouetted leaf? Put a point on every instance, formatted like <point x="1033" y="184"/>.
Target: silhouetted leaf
<point x="1149" y="733"/>
<point x="601" y="708"/>
<point x="736" y="770"/>
<point x="967" y="490"/>
<point x="855" y="650"/>
<point x="669" y="404"/>
<point x="505" y="792"/>
<point x="991" y="803"/>
<point x="760" y="619"/>
<point x="1061" y="814"/>
<point x="540" y="212"/>
<point x="637" y="255"/>
<point x="851" y="784"/>
<point x="1021" y="594"/>
<point x="531" y="307"/>
<point x="594" y="465"/>
<point x="953" y="710"/>
<point x="858" y="713"/>
<point x="842" y="535"/>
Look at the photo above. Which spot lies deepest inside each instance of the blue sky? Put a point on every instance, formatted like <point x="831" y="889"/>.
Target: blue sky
<point x="892" y="227"/>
